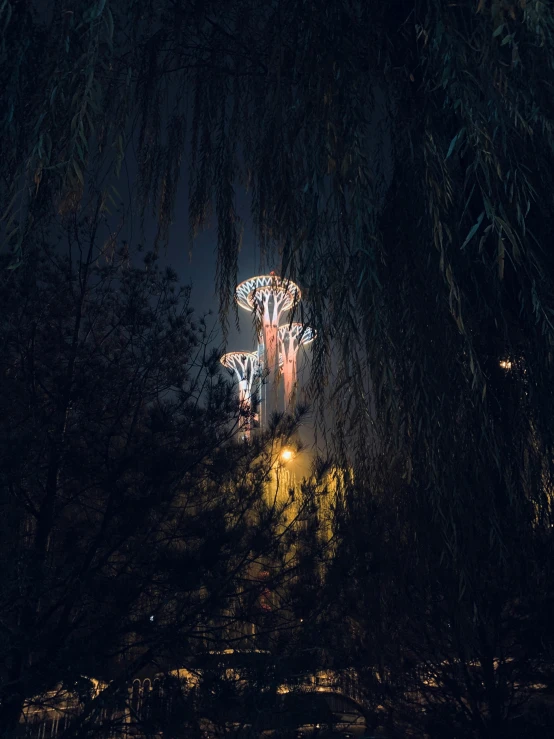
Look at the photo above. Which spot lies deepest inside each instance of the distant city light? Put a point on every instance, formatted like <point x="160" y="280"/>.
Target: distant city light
<point x="505" y="364"/>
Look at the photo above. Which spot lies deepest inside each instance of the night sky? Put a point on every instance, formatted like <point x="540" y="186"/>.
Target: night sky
<point x="198" y="267"/>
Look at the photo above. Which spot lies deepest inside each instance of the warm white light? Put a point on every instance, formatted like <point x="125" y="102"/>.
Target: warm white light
<point x="287" y="455"/>
<point x="506" y="364"/>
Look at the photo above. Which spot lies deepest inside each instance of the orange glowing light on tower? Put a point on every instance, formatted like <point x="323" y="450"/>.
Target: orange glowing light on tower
<point x="291" y="337"/>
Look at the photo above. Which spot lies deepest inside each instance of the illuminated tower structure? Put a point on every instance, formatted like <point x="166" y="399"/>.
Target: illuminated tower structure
<point x="268" y="296"/>
<point x="291" y="337"/>
<point x="246" y="367"/>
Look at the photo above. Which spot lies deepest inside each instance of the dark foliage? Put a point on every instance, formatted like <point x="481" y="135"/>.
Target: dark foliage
<point x="133" y="524"/>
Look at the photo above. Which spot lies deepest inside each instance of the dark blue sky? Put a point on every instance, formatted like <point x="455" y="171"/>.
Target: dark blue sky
<point x="196" y="267"/>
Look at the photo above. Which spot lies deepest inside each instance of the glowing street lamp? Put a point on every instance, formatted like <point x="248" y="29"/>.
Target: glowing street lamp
<point x="287" y="455"/>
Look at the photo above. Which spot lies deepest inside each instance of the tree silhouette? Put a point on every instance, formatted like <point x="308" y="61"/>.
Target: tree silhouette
<point x="133" y="521"/>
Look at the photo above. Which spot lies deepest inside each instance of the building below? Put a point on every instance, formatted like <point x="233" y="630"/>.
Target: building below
<point x="171" y="705"/>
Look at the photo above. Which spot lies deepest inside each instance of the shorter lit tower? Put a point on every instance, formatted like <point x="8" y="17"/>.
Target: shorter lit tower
<point x="269" y="297"/>
<point x="246" y="367"/>
<point x="291" y="337"/>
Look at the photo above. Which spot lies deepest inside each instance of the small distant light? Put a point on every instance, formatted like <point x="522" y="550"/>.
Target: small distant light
<point x="287" y="455"/>
<point x="505" y="364"/>
<point x="151" y="618"/>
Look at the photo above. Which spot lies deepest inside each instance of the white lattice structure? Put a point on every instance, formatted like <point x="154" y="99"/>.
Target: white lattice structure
<point x="291" y="337"/>
<point x="269" y="297"/>
<point x="246" y="367"/>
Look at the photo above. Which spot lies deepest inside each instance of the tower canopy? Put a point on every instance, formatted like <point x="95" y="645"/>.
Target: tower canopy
<point x="244" y="364"/>
<point x="246" y="367"/>
<point x="256" y="291"/>
<point x="297" y="333"/>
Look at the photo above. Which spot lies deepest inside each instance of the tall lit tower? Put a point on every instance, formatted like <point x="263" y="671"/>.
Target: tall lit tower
<point x="291" y="337"/>
<point x="246" y="368"/>
<point x="269" y="297"/>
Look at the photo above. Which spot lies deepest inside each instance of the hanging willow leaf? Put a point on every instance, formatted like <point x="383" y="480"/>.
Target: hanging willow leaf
<point x="473" y="230"/>
<point x="501" y="256"/>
